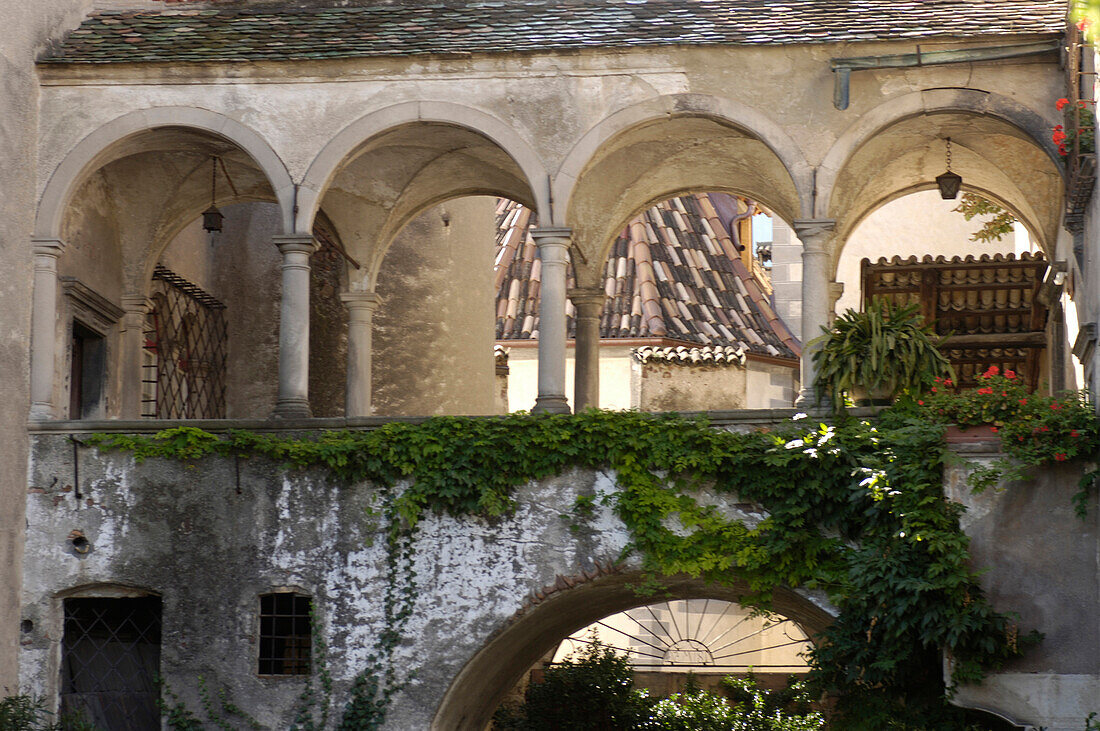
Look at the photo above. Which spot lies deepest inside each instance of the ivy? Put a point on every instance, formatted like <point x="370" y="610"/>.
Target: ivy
<point x="855" y="509"/>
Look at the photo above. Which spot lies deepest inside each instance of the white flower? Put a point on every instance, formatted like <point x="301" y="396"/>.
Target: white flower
<point x="794" y="444"/>
<point x="811" y="451"/>
<point x="799" y="415"/>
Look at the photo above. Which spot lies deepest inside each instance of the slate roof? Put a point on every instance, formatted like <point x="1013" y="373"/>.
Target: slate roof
<point x="243" y="33"/>
<point x="990" y="306"/>
<point x="674" y="273"/>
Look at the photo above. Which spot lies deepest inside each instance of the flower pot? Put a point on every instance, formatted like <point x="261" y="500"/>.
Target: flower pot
<point x="970" y="434"/>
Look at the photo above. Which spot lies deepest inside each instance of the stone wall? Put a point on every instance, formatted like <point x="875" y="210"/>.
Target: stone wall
<point x="28" y="27"/>
<point x="433" y="329"/>
<point x="1042" y="562"/>
<point x="211" y="536"/>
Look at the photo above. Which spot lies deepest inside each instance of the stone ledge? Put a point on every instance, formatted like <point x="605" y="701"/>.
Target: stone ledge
<point x="740" y="417"/>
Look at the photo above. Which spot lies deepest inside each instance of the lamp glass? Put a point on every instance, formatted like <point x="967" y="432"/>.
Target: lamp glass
<point x="212" y="219"/>
<point x="949" y="184"/>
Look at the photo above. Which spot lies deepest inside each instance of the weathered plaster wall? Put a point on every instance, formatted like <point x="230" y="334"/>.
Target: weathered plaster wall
<point x="786" y="275"/>
<point x="770" y="385"/>
<point x="433" y="329"/>
<point x="246" y="277"/>
<point x="619" y="376"/>
<point x="1042" y="563"/>
<point x="676" y="387"/>
<point x="28" y="26"/>
<point x="209" y="538"/>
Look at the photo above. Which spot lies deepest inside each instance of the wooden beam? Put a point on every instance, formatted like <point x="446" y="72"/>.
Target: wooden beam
<point x="1036" y="339"/>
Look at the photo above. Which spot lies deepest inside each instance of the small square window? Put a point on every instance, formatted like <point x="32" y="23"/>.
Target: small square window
<point x="284" y="634"/>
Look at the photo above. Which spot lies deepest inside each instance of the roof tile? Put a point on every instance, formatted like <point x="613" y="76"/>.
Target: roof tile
<point x="668" y="276"/>
<point x="457" y="27"/>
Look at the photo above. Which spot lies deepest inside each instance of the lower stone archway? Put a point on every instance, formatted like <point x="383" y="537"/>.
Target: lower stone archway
<point x="482" y="683"/>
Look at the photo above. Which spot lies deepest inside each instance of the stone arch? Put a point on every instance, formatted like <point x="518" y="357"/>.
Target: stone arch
<point x="1025" y="217"/>
<point x="480" y="685"/>
<point x="730" y="111"/>
<point x="679" y="144"/>
<point x="97" y="148"/>
<point x="945" y="106"/>
<point x="337" y="151"/>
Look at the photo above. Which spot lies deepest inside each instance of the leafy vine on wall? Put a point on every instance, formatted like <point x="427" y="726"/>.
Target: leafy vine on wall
<point x="856" y="509"/>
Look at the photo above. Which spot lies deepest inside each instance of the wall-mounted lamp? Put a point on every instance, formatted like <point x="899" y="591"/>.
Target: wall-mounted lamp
<point x="949" y="182"/>
<point x="212" y="218"/>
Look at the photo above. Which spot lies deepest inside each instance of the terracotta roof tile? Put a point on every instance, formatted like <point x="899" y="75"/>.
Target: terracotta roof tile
<point x="241" y="33"/>
<point x="668" y="276"/>
<point x="718" y="355"/>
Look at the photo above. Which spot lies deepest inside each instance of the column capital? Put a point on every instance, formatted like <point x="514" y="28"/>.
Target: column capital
<point x="48" y="247"/>
<point x="359" y="300"/>
<point x="814" y="232"/>
<point x="551" y="235"/>
<point x="585" y="297"/>
<point x="290" y="243"/>
<point x="135" y="304"/>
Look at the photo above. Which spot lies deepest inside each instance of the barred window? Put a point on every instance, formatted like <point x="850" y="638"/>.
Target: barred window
<point x="185" y="351"/>
<point x="110" y="658"/>
<point x="284" y="634"/>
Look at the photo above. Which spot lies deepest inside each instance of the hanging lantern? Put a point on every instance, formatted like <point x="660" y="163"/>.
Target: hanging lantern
<point x="949" y="182"/>
<point x="212" y="218"/>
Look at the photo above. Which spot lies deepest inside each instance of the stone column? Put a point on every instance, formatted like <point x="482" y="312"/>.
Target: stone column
<point x="815" y="235"/>
<point x="553" y="244"/>
<point x="293" y="401"/>
<point x="44" y="327"/>
<point x="588" y="302"/>
<point x="134" y="307"/>
<point x="361" y="307"/>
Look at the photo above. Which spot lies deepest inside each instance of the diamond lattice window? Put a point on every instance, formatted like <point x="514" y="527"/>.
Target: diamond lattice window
<point x="110" y="659"/>
<point x="185" y="351"/>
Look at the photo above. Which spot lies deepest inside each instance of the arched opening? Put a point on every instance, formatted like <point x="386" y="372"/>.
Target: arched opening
<point x="412" y="207"/>
<point x="127" y="242"/>
<point x="506" y="658"/>
<point x="658" y="158"/>
<point x="690" y="315"/>
<point x="996" y="301"/>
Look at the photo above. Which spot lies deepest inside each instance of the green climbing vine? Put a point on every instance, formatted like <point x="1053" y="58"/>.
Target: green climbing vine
<point x="855" y="509"/>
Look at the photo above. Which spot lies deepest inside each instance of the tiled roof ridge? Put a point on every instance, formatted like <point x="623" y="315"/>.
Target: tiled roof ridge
<point x="715" y="355"/>
<point x="251" y="33"/>
<point x="999" y="257"/>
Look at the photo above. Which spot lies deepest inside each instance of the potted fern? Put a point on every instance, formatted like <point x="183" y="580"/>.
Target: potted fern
<point x="872" y="356"/>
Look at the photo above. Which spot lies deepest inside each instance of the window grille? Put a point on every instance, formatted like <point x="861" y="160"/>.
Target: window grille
<point x="185" y="351"/>
<point x="110" y="659"/>
<point x="285" y="634"/>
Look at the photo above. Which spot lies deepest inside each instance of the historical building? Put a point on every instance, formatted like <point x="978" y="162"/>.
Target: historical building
<point x="281" y="216"/>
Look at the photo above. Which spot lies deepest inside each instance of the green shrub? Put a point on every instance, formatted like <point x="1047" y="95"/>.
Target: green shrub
<point x="593" y="691"/>
<point x="28" y="713"/>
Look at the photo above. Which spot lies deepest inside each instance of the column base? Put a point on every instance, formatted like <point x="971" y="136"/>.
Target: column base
<point x="41" y="411"/>
<point x="292" y="409"/>
<point x="551" y="405"/>
<point x="807" y="401"/>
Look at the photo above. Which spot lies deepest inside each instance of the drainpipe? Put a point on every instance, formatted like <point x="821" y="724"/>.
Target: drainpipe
<point x="843" y="67"/>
